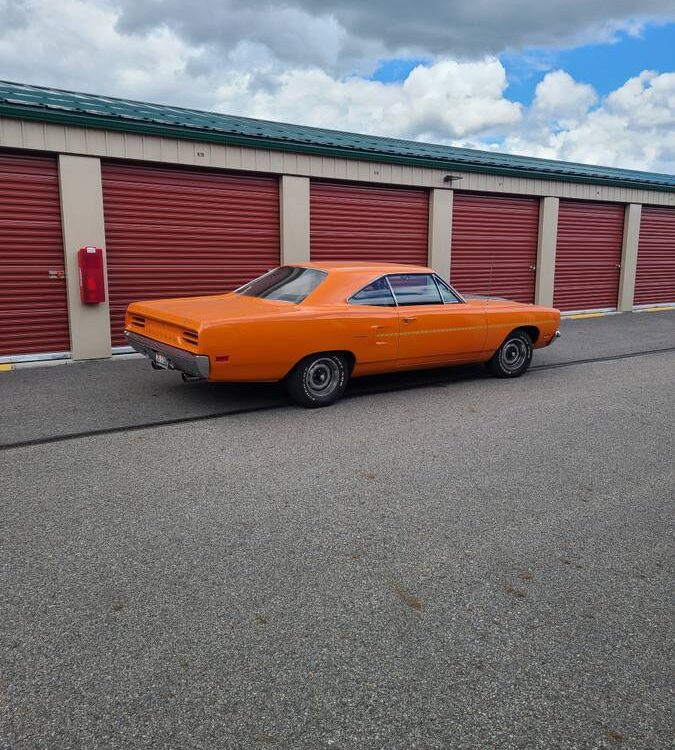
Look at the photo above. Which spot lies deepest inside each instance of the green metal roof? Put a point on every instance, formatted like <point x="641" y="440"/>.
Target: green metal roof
<point x="90" y="110"/>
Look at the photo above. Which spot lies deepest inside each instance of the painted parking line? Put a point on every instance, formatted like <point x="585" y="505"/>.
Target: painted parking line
<point x="604" y="313"/>
<point x="579" y="316"/>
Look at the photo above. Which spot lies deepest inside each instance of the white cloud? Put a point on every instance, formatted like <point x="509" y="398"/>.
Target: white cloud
<point x="560" y="98"/>
<point x="446" y="99"/>
<point x="633" y="127"/>
<point x="73" y="45"/>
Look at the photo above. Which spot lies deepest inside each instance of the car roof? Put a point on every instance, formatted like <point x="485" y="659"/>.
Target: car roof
<point x="344" y="278"/>
<point x="358" y="267"/>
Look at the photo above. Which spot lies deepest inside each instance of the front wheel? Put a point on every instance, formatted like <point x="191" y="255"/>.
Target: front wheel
<point x="513" y="357"/>
<point x="318" y="380"/>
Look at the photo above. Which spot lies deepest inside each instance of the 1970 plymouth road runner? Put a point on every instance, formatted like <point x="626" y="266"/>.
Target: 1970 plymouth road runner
<point x="315" y="325"/>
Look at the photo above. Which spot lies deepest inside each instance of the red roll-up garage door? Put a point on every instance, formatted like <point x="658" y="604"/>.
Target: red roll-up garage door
<point x="365" y="223"/>
<point x="173" y="232"/>
<point x="588" y="255"/>
<point x="655" y="275"/>
<point x="494" y="245"/>
<point x="33" y="306"/>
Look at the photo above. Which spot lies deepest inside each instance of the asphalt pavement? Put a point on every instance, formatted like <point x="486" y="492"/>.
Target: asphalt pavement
<point x="50" y="401"/>
<point x="451" y="562"/>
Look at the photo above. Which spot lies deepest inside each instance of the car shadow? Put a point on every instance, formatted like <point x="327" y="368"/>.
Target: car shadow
<point x="400" y="381"/>
<point x="244" y="394"/>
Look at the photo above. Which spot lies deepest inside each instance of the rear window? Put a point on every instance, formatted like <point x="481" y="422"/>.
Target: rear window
<point x="285" y="284"/>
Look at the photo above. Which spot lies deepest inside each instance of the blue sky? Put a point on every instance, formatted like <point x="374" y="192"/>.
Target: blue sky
<point x="604" y="66"/>
<point x="397" y="69"/>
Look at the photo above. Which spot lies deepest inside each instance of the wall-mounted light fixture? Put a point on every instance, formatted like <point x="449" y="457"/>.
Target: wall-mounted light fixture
<point x="451" y="178"/>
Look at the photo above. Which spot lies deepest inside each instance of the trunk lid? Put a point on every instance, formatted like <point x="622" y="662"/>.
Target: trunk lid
<point x="179" y="321"/>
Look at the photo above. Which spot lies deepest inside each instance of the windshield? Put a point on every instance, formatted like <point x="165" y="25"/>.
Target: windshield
<point x="286" y="284"/>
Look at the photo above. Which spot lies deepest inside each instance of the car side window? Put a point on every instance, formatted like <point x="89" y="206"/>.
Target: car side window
<point x="415" y="289"/>
<point x="447" y="295"/>
<point x="377" y="294"/>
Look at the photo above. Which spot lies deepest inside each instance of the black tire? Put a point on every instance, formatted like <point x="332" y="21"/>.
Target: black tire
<point x="318" y="380"/>
<point x="513" y="357"/>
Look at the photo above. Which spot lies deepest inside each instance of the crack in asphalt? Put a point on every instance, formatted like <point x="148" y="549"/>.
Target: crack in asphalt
<point x="437" y="382"/>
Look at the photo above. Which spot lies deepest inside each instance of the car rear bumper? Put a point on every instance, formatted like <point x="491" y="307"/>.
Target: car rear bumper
<point x="194" y="365"/>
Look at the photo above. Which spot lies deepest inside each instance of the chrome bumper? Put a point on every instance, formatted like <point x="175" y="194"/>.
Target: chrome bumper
<point x="195" y="365"/>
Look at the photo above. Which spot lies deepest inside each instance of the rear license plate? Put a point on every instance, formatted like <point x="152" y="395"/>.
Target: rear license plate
<point x="161" y="360"/>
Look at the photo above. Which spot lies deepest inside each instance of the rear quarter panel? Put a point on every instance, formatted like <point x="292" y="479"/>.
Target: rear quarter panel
<point x="267" y="349"/>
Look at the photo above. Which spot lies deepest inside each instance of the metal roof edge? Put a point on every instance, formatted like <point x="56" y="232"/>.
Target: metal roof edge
<point x="101" y="122"/>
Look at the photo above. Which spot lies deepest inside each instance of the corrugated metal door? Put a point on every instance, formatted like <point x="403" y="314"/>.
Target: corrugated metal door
<point x="655" y="277"/>
<point x="366" y="223"/>
<point x="173" y="232"/>
<point x="588" y="255"/>
<point x="494" y="245"/>
<point x="33" y="306"/>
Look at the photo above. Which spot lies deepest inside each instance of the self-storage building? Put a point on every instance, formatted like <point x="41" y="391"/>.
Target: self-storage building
<point x="183" y="202"/>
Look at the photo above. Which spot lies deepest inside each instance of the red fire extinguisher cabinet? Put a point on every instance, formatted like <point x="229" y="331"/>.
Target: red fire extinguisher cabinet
<point x="92" y="284"/>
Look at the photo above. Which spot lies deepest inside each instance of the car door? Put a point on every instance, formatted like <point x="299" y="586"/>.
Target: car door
<point x="374" y="326"/>
<point x="435" y="325"/>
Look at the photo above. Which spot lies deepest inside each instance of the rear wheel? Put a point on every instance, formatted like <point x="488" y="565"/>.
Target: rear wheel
<point x="513" y="357"/>
<point x="318" y="380"/>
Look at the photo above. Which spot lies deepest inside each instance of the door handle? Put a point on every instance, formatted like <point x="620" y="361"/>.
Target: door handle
<point x="409" y="320"/>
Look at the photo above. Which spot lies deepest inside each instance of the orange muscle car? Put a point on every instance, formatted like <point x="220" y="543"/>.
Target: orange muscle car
<point x="315" y="325"/>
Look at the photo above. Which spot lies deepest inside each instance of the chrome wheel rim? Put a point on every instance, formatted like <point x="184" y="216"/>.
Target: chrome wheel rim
<point x="513" y="355"/>
<point x="322" y="377"/>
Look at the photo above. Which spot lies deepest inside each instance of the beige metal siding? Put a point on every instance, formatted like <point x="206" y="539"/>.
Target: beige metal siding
<point x="39" y="136"/>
